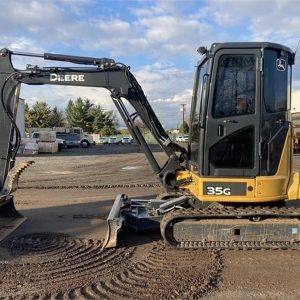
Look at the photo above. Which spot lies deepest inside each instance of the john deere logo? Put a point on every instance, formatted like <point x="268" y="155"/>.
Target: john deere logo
<point x="280" y="64"/>
<point x="58" y="77"/>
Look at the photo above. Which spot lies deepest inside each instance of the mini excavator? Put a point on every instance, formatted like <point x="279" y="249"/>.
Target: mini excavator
<point x="232" y="188"/>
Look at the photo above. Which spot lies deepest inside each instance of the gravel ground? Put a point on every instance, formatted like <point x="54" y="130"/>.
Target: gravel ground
<point x="56" y="253"/>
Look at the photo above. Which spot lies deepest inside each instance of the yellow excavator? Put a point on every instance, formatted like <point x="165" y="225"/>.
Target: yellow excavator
<point x="232" y="188"/>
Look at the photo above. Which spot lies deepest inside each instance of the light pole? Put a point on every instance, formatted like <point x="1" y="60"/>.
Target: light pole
<point x="183" y="110"/>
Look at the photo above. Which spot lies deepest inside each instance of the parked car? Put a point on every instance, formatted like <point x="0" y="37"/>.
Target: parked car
<point x="112" y="140"/>
<point x="126" y="140"/>
<point x="61" y="142"/>
<point x="74" y="140"/>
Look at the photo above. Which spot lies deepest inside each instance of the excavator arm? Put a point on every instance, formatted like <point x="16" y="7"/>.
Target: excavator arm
<point x="96" y="72"/>
<point x="102" y="72"/>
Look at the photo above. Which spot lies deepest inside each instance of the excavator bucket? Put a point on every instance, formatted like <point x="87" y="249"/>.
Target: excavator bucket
<point x="138" y="214"/>
<point x="10" y="218"/>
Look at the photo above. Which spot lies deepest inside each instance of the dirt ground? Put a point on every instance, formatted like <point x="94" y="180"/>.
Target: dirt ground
<point x="56" y="253"/>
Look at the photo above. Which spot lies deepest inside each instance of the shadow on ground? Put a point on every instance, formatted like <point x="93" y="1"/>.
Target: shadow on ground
<point x="80" y="220"/>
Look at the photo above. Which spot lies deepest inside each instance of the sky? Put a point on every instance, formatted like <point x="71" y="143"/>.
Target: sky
<point x="157" y="39"/>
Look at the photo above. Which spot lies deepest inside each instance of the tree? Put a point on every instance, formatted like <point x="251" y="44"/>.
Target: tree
<point x="92" y="118"/>
<point x="27" y="115"/>
<point x="56" y="118"/>
<point x="38" y="116"/>
<point x="184" y="128"/>
<point x="102" y="119"/>
<point x="107" y="130"/>
<point x="79" y="114"/>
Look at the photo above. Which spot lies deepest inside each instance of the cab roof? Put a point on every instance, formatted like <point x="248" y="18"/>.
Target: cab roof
<point x="249" y="45"/>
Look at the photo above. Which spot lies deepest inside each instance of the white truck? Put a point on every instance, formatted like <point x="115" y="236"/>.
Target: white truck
<point x="85" y="140"/>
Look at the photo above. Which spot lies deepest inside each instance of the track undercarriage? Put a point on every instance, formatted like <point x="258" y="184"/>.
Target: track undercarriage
<point x="213" y="227"/>
<point x="233" y="228"/>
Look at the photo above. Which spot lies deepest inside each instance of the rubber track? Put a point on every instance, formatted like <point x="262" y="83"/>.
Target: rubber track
<point x="94" y="186"/>
<point x="228" y="213"/>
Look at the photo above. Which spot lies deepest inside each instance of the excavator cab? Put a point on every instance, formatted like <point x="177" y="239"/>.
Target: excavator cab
<point x="240" y="122"/>
<point x="240" y="110"/>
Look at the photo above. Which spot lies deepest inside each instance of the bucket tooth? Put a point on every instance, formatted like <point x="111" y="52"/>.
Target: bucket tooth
<point x="12" y="179"/>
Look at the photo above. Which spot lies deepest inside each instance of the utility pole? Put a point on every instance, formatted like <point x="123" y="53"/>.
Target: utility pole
<point x="183" y="111"/>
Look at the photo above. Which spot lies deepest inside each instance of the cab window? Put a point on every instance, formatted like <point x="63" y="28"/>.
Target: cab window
<point x="235" y="86"/>
<point x="198" y="107"/>
<point x="275" y="70"/>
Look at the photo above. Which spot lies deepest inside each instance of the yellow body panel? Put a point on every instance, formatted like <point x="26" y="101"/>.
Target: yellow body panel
<point x="278" y="187"/>
<point x="294" y="187"/>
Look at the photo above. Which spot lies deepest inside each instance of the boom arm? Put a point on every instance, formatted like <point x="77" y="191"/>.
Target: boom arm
<point x="107" y="74"/>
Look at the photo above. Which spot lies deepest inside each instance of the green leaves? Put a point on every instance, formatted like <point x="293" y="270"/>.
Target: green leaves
<point x="38" y="116"/>
<point x="56" y="118"/>
<point x="41" y="116"/>
<point x="92" y="118"/>
<point x="79" y="113"/>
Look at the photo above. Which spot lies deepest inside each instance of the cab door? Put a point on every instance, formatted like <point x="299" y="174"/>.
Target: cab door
<point x="231" y="143"/>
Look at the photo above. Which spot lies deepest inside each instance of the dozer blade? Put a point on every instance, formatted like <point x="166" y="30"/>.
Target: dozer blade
<point x="114" y="222"/>
<point x="138" y="214"/>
